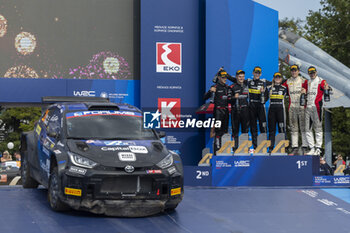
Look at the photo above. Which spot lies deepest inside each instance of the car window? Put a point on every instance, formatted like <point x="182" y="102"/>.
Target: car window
<point x="53" y="120"/>
<point x="107" y="125"/>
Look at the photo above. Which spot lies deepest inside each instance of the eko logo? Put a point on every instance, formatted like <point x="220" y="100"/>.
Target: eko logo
<point x="169" y="57"/>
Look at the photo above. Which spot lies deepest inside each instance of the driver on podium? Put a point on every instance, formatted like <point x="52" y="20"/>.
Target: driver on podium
<point x="314" y="91"/>
<point x="221" y="93"/>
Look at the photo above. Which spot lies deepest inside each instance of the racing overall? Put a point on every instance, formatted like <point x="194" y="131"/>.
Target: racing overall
<point x="296" y="112"/>
<point x="240" y="110"/>
<point x="220" y="111"/>
<point x="313" y="111"/>
<point x="276" y="112"/>
<point x="257" y="109"/>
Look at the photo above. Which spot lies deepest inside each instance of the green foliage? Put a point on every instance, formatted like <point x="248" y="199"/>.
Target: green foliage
<point x="16" y="121"/>
<point x="294" y="25"/>
<point x="329" y="28"/>
<point x="341" y="130"/>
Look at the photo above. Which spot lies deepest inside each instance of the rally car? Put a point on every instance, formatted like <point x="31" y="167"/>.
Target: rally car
<point x="96" y="156"/>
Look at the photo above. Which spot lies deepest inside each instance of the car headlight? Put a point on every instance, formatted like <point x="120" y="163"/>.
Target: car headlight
<point x="166" y="162"/>
<point x="81" y="161"/>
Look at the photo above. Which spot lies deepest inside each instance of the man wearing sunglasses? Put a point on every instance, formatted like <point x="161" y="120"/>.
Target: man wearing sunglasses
<point x="294" y="85"/>
<point x="256" y="107"/>
<point x="313" y="113"/>
<point x="257" y="98"/>
<point x="221" y="97"/>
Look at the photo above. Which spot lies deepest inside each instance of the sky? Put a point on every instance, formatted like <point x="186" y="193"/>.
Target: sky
<point x="292" y="8"/>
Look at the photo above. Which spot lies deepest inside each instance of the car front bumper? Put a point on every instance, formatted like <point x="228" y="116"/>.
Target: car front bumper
<point x="117" y="193"/>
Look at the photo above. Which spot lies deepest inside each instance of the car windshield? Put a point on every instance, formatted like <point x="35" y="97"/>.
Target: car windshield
<point x="107" y="125"/>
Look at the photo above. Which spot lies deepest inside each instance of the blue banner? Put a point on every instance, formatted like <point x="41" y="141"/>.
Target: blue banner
<point x="197" y="176"/>
<point x="264" y="170"/>
<point x="170" y="80"/>
<point x="240" y="35"/>
<point x="332" y="181"/>
<point x="17" y="90"/>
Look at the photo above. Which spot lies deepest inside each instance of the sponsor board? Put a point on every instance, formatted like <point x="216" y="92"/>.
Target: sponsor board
<point x="84" y="93"/>
<point x="72" y="192"/>
<point x="331" y="181"/>
<point x="242" y="163"/>
<point x="168" y="57"/>
<point x="176" y="191"/>
<point x="126" y="156"/>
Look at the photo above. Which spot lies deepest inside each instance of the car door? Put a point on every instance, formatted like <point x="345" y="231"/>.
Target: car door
<point x="50" y="123"/>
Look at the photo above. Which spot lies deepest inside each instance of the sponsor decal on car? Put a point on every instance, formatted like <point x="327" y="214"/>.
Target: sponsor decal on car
<point x="172" y="170"/>
<point x="118" y="148"/>
<point x="154" y="171"/>
<point x="101" y="113"/>
<point x="126" y="156"/>
<point x="176" y="191"/>
<point x="38" y="129"/>
<point x="46" y="151"/>
<point x="110" y="143"/>
<point x="78" y="170"/>
<point x="72" y="192"/>
<point x="138" y="149"/>
<point x="57" y="152"/>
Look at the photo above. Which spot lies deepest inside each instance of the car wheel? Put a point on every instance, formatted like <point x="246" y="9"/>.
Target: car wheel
<point x="27" y="180"/>
<point x="53" y="192"/>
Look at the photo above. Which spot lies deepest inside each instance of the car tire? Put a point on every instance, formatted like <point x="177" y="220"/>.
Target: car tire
<point x="27" y="180"/>
<point x="53" y="192"/>
<point x="171" y="208"/>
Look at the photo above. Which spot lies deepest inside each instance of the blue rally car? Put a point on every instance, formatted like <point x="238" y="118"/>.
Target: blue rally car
<point x="96" y="156"/>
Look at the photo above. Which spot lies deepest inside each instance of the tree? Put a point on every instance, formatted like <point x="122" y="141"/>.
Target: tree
<point x="15" y="121"/>
<point x="294" y="25"/>
<point x="329" y="28"/>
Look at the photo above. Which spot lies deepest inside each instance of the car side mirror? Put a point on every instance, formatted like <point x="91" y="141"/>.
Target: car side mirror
<point x="161" y="134"/>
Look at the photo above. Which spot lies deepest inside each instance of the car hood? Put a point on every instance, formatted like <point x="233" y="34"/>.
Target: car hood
<point x="139" y="153"/>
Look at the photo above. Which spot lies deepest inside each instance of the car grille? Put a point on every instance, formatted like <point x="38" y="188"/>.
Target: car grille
<point x="127" y="184"/>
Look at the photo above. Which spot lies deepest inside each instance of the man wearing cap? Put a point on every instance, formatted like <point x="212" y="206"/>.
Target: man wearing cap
<point x="222" y="94"/>
<point x="240" y="106"/>
<point x="313" y="113"/>
<point x="276" y="113"/>
<point x="294" y="85"/>
<point x="257" y="111"/>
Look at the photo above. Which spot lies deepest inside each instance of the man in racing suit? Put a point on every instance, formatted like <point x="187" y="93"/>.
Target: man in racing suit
<point x="313" y="112"/>
<point x="239" y="106"/>
<point x="222" y="93"/>
<point x="296" y="112"/>
<point x="257" y="111"/>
